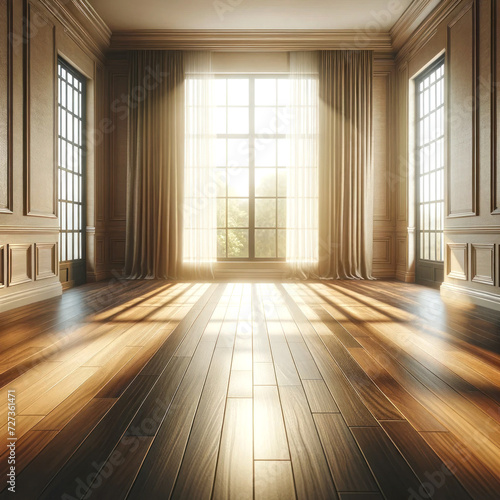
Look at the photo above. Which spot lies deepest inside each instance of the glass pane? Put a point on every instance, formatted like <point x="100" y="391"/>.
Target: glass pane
<point x="221" y="212"/>
<point x="265" y="243"/>
<point x="283" y="92"/>
<point x="237" y="213"/>
<point x="265" y="212"/>
<point x="283" y="153"/>
<point x="221" y="181"/>
<point x="220" y="152"/>
<point x="237" y="243"/>
<point x="238" y="121"/>
<point x="221" y="243"/>
<point x="265" y="153"/>
<point x="220" y="91"/>
<point x="220" y="120"/>
<point x="265" y="92"/>
<point x="238" y="92"/>
<point x="281" y="182"/>
<point x="237" y="182"/>
<point x="282" y="212"/>
<point x="281" y="243"/>
<point x="265" y="182"/>
<point x="265" y="120"/>
<point x="238" y="153"/>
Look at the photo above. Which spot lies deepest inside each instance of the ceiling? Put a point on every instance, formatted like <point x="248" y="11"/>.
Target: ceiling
<point x="370" y="15"/>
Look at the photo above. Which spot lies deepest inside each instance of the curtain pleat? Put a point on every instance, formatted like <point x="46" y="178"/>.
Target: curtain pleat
<point x="155" y="165"/>
<point x="345" y="165"/>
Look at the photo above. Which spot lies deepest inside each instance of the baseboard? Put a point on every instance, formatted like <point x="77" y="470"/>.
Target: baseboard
<point x="405" y="276"/>
<point x="18" y="299"/>
<point x="470" y="296"/>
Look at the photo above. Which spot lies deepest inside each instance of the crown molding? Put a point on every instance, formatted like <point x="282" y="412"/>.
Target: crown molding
<point x="417" y="27"/>
<point x="82" y="23"/>
<point x="251" y="40"/>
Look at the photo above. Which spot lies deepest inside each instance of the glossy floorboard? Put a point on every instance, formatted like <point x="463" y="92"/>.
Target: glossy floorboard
<point x="157" y="390"/>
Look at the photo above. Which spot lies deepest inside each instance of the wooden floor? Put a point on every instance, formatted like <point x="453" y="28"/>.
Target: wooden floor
<point x="157" y="390"/>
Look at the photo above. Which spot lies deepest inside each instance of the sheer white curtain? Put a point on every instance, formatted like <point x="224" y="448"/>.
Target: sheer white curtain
<point x="302" y="179"/>
<point x="200" y="202"/>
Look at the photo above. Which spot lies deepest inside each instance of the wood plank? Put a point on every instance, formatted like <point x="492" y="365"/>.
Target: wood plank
<point x="286" y="371"/>
<point x="197" y="472"/>
<point x="304" y="361"/>
<point x="274" y="481"/>
<point x="394" y="476"/>
<point x="159" y="470"/>
<point x="270" y="442"/>
<point x="319" y="397"/>
<point x="349" y="469"/>
<point x="429" y="468"/>
<point x="310" y="468"/>
<point x="240" y="384"/>
<point x="263" y="374"/>
<point x="234" y="476"/>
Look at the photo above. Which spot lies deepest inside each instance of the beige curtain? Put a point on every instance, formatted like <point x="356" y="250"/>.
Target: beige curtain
<point x="155" y="165"/>
<point x="345" y="165"/>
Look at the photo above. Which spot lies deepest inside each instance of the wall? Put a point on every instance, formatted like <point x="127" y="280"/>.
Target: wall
<point x="29" y="225"/>
<point x="468" y="32"/>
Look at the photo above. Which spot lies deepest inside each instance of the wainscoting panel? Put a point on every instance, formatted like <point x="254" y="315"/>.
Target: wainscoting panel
<point x="2" y="266"/>
<point x="5" y="107"/>
<point x="457" y="261"/>
<point x="117" y="251"/>
<point x="45" y="260"/>
<point x="495" y="107"/>
<point x="40" y="98"/>
<point x="20" y="264"/>
<point x="462" y="113"/>
<point x="483" y="263"/>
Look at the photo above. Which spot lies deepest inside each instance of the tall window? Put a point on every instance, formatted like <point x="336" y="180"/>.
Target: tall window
<point x="252" y="153"/>
<point x="430" y="163"/>
<point x="71" y="107"/>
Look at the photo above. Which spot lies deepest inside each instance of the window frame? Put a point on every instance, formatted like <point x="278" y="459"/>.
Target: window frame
<point x="252" y="137"/>
<point x="82" y="117"/>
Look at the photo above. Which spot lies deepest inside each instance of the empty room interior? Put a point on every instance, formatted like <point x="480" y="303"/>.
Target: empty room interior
<point x="249" y="249"/>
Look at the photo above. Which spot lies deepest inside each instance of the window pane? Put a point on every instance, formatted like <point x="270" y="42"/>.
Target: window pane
<point x="265" y="212"/>
<point x="265" y="92"/>
<point x="238" y="152"/>
<point x="220" y="120"/>
<point x="265" y="243"/>
<point x="281" y="182"/>
<point x="221" y="181"/>
<point x="221" y="212"/>
<point x="237" y="182"/>
<point x="237" y="243"/>
<point x="238" y="92"/>
<point x="265" y="120"/>
<point x="281" y="243"/>
<point x="237" y="121"/>
<point x="265" y="182"/>
<point x="220" y="152"/>
<point x="282" y="212"/>
<point x="265" y="153"/>
<point x="283" y="92"/>
<point x="221" y="243"/>
<point x="237" y="212"/>
<point x="220" y="91"/>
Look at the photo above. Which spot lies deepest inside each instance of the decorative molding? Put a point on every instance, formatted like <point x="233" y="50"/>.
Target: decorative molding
<point x="251" y="40"/>
<point x="460" y="253"/>
<point x="45" y="261"/>
<point x="481" y="255"/>
<point x="82" y="23"/>
<point x="405" y="40"/>
<point x="25" y="297"/>
<point x="472" y="210"/>
<point x="6" y="169"/>
<point x="472" y="230"/>
<point x="3" y="267"/>
<point x="410" y="20"/>
<point x="19" y="264"/>
<point x="495" y="112"/>
<point x="117" y="250"/>
<point x="385" y="244"/>
<point x="29" y="230"/>
<point x="470" y="295"/>
<point x="29" y="209"/>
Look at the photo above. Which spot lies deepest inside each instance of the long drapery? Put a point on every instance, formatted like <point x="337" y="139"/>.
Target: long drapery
<point x="345" y="165"/>
<point x="155" y="165"/>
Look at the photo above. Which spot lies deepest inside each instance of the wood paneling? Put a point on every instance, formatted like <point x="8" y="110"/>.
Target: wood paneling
<point x="483" y="263"/>
<point x="382" y="250"/>
<point x="457" y="261"/>
<point x="117" y="250"/>
<point x="20" y="264"/>
<point x="45" y="260"/>
<point x="461" y="75"/>
<point x="2" y="266"/>
<point x="6" y="76"/>
<point x="40" y="119"/>
<point x="495" y="107"/>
